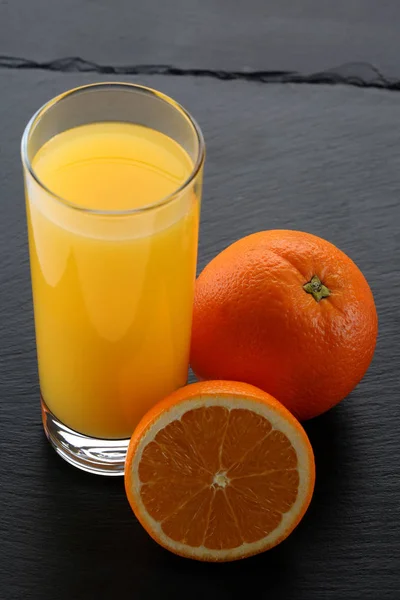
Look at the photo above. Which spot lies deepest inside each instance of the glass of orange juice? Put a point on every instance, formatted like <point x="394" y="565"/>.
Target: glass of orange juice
<point x="113" y="177"/>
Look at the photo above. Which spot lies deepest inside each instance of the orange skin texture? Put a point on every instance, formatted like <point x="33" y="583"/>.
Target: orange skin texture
<point x="208" y="389"/>
<point x="254" y="322"/>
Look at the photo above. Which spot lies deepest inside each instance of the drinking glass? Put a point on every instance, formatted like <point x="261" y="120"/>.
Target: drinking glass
<point x="112" y="287"/>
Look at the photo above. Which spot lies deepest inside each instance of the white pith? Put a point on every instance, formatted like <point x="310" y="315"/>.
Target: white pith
<point x="278" y="423"/>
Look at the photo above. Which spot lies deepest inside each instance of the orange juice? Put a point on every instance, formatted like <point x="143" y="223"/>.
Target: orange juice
<point x="113" y="291"/>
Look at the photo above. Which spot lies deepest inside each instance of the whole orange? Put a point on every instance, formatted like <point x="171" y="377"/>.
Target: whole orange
<point x="289" y="313"/>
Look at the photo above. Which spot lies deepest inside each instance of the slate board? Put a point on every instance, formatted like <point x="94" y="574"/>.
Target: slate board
<point x="226" y="34"/>
<point x="317" y="158"/>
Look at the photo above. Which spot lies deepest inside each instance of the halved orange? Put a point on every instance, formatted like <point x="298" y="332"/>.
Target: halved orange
<point x="219" y="471"/>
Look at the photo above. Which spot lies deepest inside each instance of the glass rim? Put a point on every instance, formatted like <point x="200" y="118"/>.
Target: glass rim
<point x="132" y="211"/>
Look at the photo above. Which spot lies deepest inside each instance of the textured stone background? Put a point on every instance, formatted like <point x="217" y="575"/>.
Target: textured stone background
<point x="325" y="159"/>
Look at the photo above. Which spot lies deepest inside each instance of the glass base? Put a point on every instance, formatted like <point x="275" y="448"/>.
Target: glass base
<point x="102" y="457"/>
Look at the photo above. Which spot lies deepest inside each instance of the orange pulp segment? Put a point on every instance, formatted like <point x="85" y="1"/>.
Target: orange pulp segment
<point x="219" y="471"/>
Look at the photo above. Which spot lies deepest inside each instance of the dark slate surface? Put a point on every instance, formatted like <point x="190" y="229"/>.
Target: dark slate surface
<point x="304" y="35"/>
<point x="321" y="159"/>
